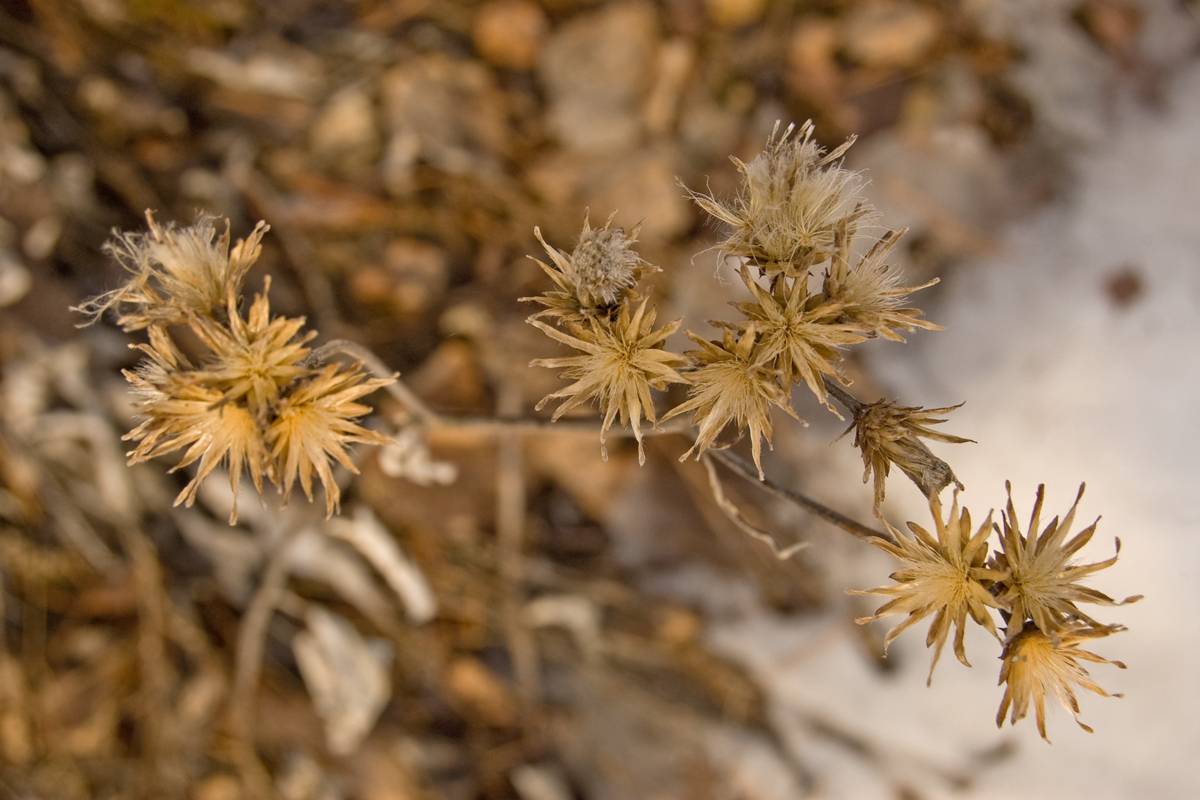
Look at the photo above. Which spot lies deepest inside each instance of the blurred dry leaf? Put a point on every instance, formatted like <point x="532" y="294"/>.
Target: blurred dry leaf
<point x="347" y="676"/>
<point x="367" y="535"/>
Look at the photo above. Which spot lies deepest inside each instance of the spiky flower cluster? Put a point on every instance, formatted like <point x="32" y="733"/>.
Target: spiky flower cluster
<point x="593" y="310"/>
<point x="1030" y="581"/>
<point x="796" y="215"/>
<point x="798" y="209"/>
<point x="248" y="400"/>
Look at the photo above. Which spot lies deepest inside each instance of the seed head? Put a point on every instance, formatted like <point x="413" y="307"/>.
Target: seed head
<point x="1043" y="585"/>
<point x="731" y="386"/>
<point x="943" y="576"/>
<point x="622" y="361"/>
<point x="869" y="293"/>
<point x="794" y="196"/>
<point x="175" y="272"/>
<point x="798" y="335"/>
<point x="600" y="274"/>
<point x="888" y="434"/>
<point x="1035" y="664"/>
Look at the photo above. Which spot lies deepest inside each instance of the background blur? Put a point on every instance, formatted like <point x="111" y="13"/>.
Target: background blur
<point x="550" y="625"/>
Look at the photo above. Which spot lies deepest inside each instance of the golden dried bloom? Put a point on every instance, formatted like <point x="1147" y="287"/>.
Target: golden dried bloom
<point x="179" y="413"/>
<point x="888" y="434"/>
<point x="870" y="293"/>
<point x="793" y="197"/>
<point x="622" y="361"/>
<point x="1036" y="664"/>
<point x="256" y="358"/>
<point x="945" y="577"/>
<point x="730" y="386"/>
<point x="314" y="423"/>
<point x="176" y="272"/>
<point x="798" y="335"/>
<point x="1043" y="584"/>
<point x="600" y="273"/>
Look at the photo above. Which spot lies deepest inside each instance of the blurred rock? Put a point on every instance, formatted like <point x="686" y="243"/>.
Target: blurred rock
<point x="734" y="13"/>
<point x="889" y="34"/>
<point x="509" y="33"/>
<point x="597" y="69"/>
<point x="812" y="58"/>
<point x="412" y="278"/>
<point x="446" y="112"/>
<point x="345" y="132"/>
<point x="640" y="185"/>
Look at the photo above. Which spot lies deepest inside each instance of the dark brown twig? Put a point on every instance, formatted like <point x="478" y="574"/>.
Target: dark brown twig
<point x="748" y="472"/>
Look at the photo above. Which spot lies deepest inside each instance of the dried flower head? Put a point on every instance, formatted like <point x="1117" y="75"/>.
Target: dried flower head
<point x="179" y="412"/>
<point x="798" y="335"/>
<point x="599" y="274"/>
<point x="888" y="434"/>
<point x="622" y="361"/>
<point x="945" y="576"/>
<point x="256" y="358"/>
<point x="250" y="402"/>
<point x="1043" y="585"/>
<point x="730" y="385"/>
<point x="175" y="272"/>
<point x="315" y="422"/>
<point x="793" y="197"/>
<point x="1036" y="664"/>
<point x="870" y="294"/>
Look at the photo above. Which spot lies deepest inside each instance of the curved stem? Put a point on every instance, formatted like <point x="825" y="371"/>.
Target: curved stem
<point x="848" y="401"/>
<point x="856" y="529"/>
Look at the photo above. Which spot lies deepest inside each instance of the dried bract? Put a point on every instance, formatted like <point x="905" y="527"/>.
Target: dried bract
<point x="869" y="293"/>
<point x="943" y="576"/>
<point x="315" y="423"/>
<point x="1043" y="584"/>
<point x="731" y="386"/>
<point x="622" y="362"/>
<point x="793" y="198"/>
<point x="1036" y="664"/>
<point x="175" y="272"/>
<point x="599" y="275"/>
<point x="888" y="434"/>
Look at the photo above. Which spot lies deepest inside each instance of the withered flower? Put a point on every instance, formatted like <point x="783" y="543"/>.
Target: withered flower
<point x="314" y="424"/>
<point x="729" y="386"/>
<point x="1043" y="585"/>
<point x="256" y="358"/>
<point x="600" y="273"/>
<point x="798" y="335"/>
<point x="250" y="402"/>
<point x="794" y="194"/>
<point x="870" y="294"/>
<point x="180" y="413"/>
<point x="888" y="434"/>
<point x="945" y="577"/>
<point x="1036" y="664"/>
<point x="175" y="272"/>
<point x="622" y="361"/>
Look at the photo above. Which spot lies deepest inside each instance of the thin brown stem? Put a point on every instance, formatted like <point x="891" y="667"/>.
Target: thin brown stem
<point x="248" y="664"/>
<point x="736" y="516"/>
<point x="427" y="417"/>
<point x="856" y="529"/>
<point x="848" y="401"/>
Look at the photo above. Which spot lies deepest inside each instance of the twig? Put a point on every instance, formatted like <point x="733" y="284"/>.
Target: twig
<point x="427" y="417"/>
<point x="748" y="472"/>
<point x="510" y="535"/>
<point x="248" y="665"/>
<point x="848" y="401"/>
<point x="735" y="515"/>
